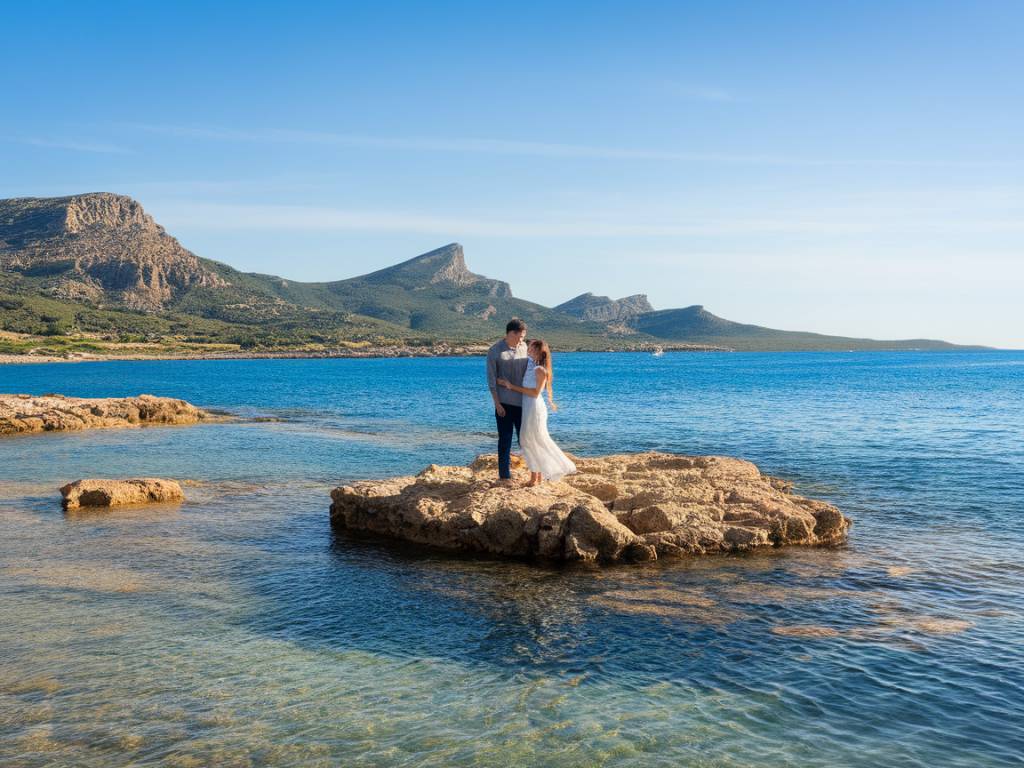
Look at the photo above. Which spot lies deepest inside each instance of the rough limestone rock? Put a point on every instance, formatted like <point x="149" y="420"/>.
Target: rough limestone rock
<point x="98" y="246"/>
<point x="628" y="507"/>
<point x="115" y="493"/>
<point x="603" y="309"/>
<point x="26" y="413"/>
<point x="446" y="266"/>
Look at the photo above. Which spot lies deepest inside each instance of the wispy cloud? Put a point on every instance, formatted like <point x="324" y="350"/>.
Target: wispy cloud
<point x="469" y="145"/>
<point x="70" y="145"/>
<point x="243" y="216"/>
<point x="223" y="189"/>
<point x="454" y="145"/>
<point x="701" y="93"/>
<point x="203" y="215"/>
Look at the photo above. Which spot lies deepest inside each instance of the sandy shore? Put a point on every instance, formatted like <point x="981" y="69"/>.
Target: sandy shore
<point x="15" y="359"/>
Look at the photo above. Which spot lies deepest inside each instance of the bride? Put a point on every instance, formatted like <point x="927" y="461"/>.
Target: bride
<point x="543" y="457"/>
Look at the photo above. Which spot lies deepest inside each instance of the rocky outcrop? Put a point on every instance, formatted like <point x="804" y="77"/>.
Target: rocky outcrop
<point x="603" y="309"/>
<point x="629" y="507"/>
<point x="451" y="266"/>
<point x="444" y="266"/>
<point x="98" y="246"/>
<point x="26" y="413"/>
<point x="451" y="270"/>
<point x="114" y="493"/>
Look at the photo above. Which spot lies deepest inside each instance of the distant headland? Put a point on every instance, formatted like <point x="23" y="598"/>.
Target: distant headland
<point x="94" y="276"/>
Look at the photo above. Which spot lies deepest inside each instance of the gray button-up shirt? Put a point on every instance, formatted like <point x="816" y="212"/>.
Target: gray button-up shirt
<point x="503" y="362"/>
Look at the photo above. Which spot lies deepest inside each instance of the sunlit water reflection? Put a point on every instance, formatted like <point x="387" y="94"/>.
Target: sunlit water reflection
<point x="237" y="629"/>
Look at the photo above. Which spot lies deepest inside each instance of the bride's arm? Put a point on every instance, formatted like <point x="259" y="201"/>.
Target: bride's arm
<point x="542" y="376"/>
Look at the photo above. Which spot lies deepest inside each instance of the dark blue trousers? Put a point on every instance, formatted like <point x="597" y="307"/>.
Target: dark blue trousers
<point x="512" y="419"/>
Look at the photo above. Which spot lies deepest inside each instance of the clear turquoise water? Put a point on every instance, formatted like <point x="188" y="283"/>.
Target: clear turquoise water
<point x="239" y="630"/>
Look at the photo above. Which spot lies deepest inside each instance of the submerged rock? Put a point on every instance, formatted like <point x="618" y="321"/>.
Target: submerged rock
<point x="627" y="507"/>
<point x="27" y="413"/>
<point x="113" y="493"/>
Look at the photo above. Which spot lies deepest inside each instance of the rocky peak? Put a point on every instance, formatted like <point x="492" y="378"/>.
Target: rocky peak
<point x="99" y="246"/>
<point x="603" y="309"/>
<point x="444" y="266"/>
<point x="105" y="209"/>
<point x="451" y="266"/>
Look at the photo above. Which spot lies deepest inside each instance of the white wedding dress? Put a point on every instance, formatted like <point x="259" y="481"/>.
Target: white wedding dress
<point x="539" y="450"/>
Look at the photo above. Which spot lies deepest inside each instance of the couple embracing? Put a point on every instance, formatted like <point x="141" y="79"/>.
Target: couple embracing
<point x="518" y="373"/>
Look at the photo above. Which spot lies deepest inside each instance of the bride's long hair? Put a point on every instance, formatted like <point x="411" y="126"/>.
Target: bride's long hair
<point x="544" y="361"/>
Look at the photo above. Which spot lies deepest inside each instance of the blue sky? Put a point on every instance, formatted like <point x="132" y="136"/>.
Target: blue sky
<point x="843" y="167"/>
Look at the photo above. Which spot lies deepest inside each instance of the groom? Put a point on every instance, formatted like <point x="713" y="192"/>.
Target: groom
<point x="507" y="360"/>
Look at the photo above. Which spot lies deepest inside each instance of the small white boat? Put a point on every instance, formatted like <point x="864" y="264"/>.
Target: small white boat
<point x="658" y="352"/>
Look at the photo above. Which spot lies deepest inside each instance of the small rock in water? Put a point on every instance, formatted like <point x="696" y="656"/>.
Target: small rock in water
<point x="112" y="493"/>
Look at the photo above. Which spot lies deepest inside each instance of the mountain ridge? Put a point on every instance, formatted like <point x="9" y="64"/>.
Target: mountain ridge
<point x="85" y="263"/>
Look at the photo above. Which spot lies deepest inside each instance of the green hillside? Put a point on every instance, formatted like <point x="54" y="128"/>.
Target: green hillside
<point x="436" y="294"/>
<point x="432" y="296"/>
<point x="696" y="325"/>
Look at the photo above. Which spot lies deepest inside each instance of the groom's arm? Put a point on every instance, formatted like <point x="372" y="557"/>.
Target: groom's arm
<point x="492" y="381"/>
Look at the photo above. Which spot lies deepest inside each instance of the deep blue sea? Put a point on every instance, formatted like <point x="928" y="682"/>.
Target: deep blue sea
<point x="238" y="630"/>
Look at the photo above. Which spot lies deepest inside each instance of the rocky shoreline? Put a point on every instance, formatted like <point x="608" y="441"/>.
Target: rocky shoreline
<point x="47" y="413"/>
<point x="441" y="350"/>
<point x="620" y="508"/>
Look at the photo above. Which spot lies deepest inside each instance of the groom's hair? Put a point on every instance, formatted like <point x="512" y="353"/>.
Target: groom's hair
<point x="515" y="324"/>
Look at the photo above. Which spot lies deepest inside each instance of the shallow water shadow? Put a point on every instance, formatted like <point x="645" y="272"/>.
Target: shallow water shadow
<point x="140" y="512"/>
<point x="670" y="619"/>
